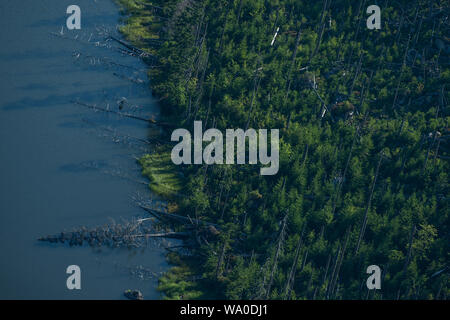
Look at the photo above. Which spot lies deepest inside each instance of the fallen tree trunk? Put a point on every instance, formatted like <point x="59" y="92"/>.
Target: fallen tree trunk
<point x="170" y="234"/>
<point x="138" y="51"/>
<point x="172" y="216"/>
<point x="123" y="114"/>
<point x="131" y="234"/>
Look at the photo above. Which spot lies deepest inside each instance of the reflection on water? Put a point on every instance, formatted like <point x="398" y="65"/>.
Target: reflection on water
<point x="59" y="162"/>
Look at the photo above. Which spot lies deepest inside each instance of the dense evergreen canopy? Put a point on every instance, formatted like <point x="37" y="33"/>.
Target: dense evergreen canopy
<point x="363" y="118"/>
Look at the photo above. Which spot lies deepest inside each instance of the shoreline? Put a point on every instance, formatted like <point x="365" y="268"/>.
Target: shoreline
<point x="342" y="199"/>
<point x="167" y="183"/>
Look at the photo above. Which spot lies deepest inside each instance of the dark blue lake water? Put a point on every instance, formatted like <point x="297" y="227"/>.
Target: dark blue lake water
<point x="63" y="165"/>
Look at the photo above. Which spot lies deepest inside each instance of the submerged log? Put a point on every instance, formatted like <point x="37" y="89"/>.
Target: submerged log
<point x="138" y="51"/>
<point x="128" y="234"/>
<point x="124" y="114"/>
<point x="134" y="80"/>
<point x="126" y="137"/>
<point x="170" y="234"/>
<point x="161" y="215"/>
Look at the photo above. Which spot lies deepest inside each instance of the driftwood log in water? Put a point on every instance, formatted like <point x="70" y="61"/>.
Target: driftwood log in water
<point x="134" y="80"/>
<point x="122" y="137"/>
<point x="129" y="46"/>
<point x="123" y="114"/>
<point x="201" y="231"/>
<point x="128" y="234"/>
<point x="136" y="233"/>
<point x="137" y="51"/>
<point x="161" y="215"/>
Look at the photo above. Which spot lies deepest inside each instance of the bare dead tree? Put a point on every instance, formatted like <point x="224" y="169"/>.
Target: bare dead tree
<point x="256" y="81"/>
<point x="401" y="73"/>
<point x="359" y="17"/>
<point x="364" y="222"/>
<point x="294" y="55"/>
<point x="408" y="257"/>
<point x="324" y="279"/>
<point x="220" y="260"/>
<point x="291" y="277"/>
<point x="342" y="180"/>
<point x="325" y="8"/>
<point x="327" y="290"/>
<point x="280" y="242"/>
<point x="131" y="234"/>
<point x="336" y="277"/>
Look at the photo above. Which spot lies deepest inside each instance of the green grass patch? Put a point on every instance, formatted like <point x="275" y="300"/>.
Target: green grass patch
<point x="163" y="174"/>
<point x="182" y="281"/>
<point x="140" y="23"/>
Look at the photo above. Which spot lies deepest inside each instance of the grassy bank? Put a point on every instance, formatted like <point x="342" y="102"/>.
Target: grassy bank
<point x="162" y="173"/>
<point x="140" y="27"/>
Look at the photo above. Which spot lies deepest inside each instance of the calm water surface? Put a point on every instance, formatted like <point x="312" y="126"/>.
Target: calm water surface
<point x="61" y="165"/>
